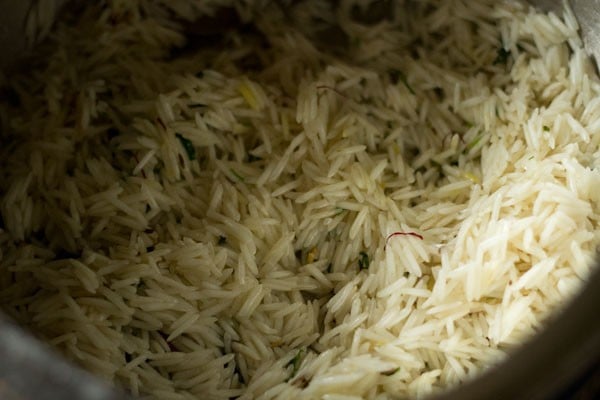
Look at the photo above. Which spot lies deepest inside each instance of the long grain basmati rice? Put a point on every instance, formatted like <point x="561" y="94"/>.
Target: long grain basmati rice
<point x="285" y="215"/>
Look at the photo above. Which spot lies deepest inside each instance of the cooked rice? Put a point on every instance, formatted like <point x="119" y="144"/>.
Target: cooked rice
<point x="215" y="221"/>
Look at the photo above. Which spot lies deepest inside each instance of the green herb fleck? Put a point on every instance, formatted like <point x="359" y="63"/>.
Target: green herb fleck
<point x="502" y="56"/>
<point x="237" y="175"/>
<point x="339" y="210"/>
<point x="363" y="260"/>
<point x="546" y="128"/>
<point x="295" y="363"/>
<point x="397" y="76"/>
<point x="474" y="142"/>
<point x="390" y="372"/>
<point x="188" y="146"/>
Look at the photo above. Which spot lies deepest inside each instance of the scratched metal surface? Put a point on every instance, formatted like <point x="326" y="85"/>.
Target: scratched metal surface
<point x="587" y="13"/>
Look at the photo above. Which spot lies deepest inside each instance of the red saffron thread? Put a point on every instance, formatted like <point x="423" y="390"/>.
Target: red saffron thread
<point x="391" y="235"/>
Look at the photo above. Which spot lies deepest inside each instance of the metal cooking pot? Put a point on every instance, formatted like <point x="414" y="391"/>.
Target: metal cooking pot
<point x="561" y="362"/>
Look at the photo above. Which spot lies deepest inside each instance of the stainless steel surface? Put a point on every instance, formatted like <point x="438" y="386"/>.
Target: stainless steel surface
<point x="587" y="13"/>
<point x="30" y="370"/>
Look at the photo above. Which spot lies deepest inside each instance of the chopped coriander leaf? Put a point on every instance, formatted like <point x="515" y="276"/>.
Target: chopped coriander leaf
<point x="339" y="210"/>
<point x="474" y="142"/>
<point x="363" y="260"/>
<point x="188" y="146"/>
<point x="502" y="56"/>
<point x="546" y="128"/>
<point x="237" y="175"/>
<point x="295" y="363"/>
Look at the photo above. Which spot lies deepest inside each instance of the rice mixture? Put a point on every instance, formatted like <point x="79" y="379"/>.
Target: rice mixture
<point x="294" y="200"/>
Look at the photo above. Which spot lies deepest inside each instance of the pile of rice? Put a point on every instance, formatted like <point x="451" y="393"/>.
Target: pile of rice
<point x="315" y="202"/>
